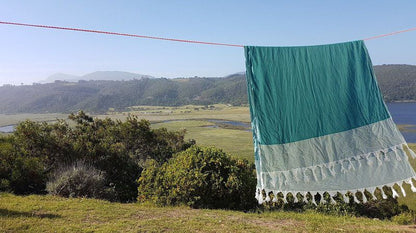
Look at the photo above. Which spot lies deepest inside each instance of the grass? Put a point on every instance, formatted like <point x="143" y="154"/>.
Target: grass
<point x="54" y="214"/>
<point x="238" y="143"/>
<point x="16" y="118"/>
<point x="410" y="199"/>
<point x="193" y="118"/>
<point x="406" y="128"/>
<point x="159" y="113"/>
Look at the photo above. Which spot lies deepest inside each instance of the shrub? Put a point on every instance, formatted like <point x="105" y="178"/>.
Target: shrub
<point x="6" y="163"/>
<point x="20" y="174"/>
<point x="78" y="180"/>
<point x="405" y="218"/>
<point x="121" y="171"/>
<point x="27" y="176"/>
<point x="116" y="148"/>
<point x="200" y="177"/>
<point x="381" y="209"/>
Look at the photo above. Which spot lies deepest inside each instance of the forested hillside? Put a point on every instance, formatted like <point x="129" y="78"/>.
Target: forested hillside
<point x="397" y="82"/>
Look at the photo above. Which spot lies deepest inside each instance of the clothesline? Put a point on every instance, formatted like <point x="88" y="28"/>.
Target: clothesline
<point x="163" y="38"/>
<point x="119" y="34"/>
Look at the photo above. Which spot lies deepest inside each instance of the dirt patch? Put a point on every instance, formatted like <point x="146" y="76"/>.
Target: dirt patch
<point x="406" y="228"/>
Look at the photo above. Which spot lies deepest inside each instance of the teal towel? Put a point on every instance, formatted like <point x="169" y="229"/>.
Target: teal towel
<point x="319" y="122"/>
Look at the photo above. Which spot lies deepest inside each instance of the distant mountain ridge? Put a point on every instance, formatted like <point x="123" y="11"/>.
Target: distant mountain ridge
<point x="98" y="75"/>
<point x="397" y="83"/>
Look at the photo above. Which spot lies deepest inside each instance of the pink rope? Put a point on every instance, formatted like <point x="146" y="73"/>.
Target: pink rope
<point x="119" y="34"/>
<point x="163" y="38"/>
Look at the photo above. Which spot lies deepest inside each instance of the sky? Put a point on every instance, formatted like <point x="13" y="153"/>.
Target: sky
<point x="30" y="55"/>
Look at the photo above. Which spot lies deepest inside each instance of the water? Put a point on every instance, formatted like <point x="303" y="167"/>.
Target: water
<point x="234" y="123"/>
<point x="404" y="114"/>
<point x="7" y="129"/>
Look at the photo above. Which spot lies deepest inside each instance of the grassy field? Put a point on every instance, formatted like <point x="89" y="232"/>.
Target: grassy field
<point x="159" y="113"/>
<point x="236" y="142"/>
<point x="16" y="118"/>
<point x="53" y="214"/>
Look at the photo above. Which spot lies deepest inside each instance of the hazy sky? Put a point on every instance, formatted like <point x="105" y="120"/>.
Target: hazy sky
<point x="30" y="54"/>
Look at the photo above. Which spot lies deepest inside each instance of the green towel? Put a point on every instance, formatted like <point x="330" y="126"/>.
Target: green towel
<point x="320" y="124"/>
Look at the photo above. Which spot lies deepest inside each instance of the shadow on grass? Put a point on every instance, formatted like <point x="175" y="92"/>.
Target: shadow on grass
<point x="15" y="214"/>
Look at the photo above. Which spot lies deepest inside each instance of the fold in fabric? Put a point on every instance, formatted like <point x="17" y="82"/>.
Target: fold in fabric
<point x="319" y="122"/>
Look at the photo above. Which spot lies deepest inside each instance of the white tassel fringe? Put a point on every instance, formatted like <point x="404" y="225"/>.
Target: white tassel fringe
<point x="372" y="190"/>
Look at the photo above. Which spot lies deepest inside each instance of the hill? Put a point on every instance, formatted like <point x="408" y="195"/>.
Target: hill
<point x="98" y="75"/>
<point x="99" y="96"/>
<point x="397" y="83"/>
<point x="48" y="213"/>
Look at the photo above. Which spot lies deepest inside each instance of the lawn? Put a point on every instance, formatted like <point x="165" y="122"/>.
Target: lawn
<point x="54" y="214"/>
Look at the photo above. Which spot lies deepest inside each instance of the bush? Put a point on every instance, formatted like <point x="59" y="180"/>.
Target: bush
<point x="118" y="149"/>
<point x="405" y="218"/>
<point x="201" y="178"/>
<point x="381" y="209"/>
<point x="27" y="176"/>
<point x="79" y="180"/>
<point x="120" y="171"/>
<point x="18" y="173"/>
<point x="6" y="161"/>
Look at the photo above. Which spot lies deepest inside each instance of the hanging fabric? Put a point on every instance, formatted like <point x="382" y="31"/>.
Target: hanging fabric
<point x="319" y="122"/>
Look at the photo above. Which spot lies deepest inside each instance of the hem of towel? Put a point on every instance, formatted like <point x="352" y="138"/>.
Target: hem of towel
<point x="265" y="195"/>
<point x="346" y="165"/>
